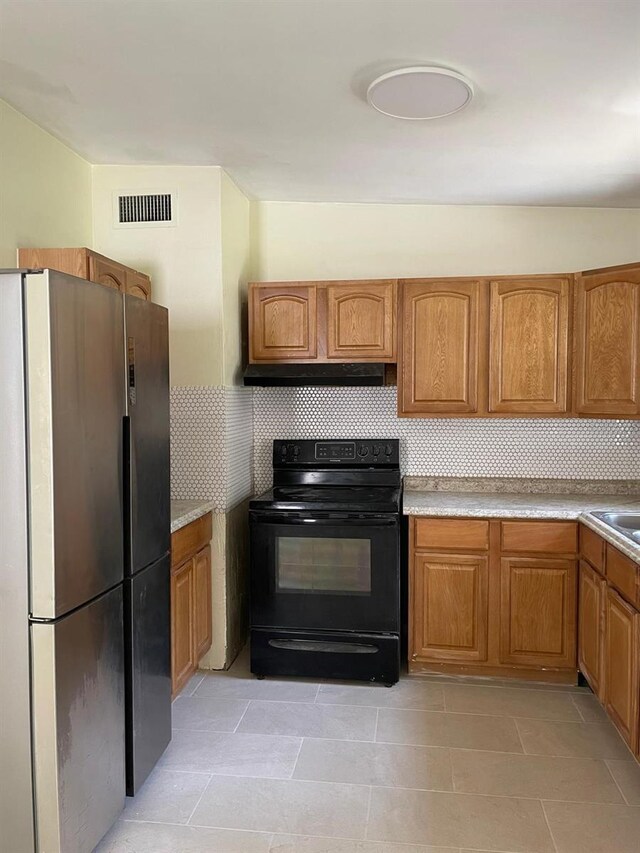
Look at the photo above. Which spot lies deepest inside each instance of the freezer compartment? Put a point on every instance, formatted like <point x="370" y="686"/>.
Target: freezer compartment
<point x="78" y="725"/>
<point x="326" y="654"/>
<point x="76" y="404"/>
<point x="147" y="488"/>
<point x="148" y="670"/>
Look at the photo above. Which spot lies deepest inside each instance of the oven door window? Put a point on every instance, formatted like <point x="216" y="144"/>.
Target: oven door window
<point x="314" y="572"/>
<point x="326" y="566"/>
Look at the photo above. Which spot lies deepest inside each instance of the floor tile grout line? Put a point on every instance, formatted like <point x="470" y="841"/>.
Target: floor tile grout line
<point x="235" y="731"/>
<point x="577" y="707"/>
<point x="295" y="763"/>
<point x="213" y="775"/>
<point x="628" y="757"/>
<point x="617" y="784"/>
<point x="204" y="790"/>
<point x="360" y="707"/>
<point x="375" y="730"/>
<point x="366" y="821"/>
<point x="515" y="723"/>
<point x="546" y="820"/>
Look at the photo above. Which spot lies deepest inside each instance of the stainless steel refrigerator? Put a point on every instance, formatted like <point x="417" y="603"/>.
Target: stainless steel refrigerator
<point x="84" y="571"/>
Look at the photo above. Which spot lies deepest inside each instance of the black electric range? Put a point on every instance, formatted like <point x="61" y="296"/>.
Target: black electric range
<point x="325" y="565"/>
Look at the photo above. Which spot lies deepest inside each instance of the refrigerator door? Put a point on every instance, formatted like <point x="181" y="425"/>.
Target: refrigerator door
<point x="147" y="443"/>
<point x="75" y="369"/>
<point x="16" y="795"/>
<point x="148" y="670"/>
<point x="78" y="725"/>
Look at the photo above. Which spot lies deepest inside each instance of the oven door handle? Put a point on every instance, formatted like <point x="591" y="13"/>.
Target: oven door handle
<point x="354" y="520"/>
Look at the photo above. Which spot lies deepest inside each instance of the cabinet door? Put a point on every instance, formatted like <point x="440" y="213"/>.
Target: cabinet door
<point x="621" y="666"/>
<point x="538" y="610"/>
<point x="138" y="284"/>
<point x="608" y="342"/>
<point x="109" y="273"/>
<point x="361" y="321"/>
<point x="282" y="322"/>
<point x="183" y="661"/>
<point x="529" y="346"/>
<point x="202" y="604"/>
<point x="591" y="605"/>
<point x="449" y="607"/>
<point x="443" y="337"/>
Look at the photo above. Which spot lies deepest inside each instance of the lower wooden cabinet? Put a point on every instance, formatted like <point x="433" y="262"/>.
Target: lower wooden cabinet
<point x="183" y="661"/>
<point x="202" y="603"/>
<point x="538" y="612"/>
<point x="609" y="632"/>
<point x="621" y="666"/>
<point x="493" y="597"/>
<point x="450" y="607"/>
<point x="191" y="625"/>
<point x="591" y="610"/>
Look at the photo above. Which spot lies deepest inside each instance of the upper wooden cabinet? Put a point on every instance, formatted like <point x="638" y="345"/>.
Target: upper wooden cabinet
<point x="85" y="263"/>
<point x="322" y="321"/>
<point x="360" y="321"/>
<point x="529" y="345"/>
<point x="283" y="322"/>
<point x="138" y="284"/>
<point x="443" y="346"/>
<point x="607" y="340"/>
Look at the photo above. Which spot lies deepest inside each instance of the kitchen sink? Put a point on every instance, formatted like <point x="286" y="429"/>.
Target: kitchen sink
<point x="627" y="523"/>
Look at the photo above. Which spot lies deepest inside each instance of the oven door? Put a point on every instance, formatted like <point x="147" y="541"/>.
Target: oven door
<point x="325" y="571"/>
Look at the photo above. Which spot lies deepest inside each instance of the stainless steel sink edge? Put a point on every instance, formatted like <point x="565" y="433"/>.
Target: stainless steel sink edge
<point x="626" y="524"/>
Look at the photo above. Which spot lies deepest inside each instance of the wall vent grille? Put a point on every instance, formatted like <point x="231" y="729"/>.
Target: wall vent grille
<point x="143" y="209"/>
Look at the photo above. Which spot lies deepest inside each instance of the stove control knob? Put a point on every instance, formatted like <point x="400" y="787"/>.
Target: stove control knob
<point x="376" y="449"/>
<point x="388" y="450"/>
<point x="363" y="450"/>
<point x="296" y="449"/>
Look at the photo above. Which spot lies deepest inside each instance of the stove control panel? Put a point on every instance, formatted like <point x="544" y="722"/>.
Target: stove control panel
<point x="351" y="453"/>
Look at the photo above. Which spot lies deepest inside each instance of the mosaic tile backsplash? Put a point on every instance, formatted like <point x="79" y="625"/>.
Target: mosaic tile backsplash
<point x="536" y="447"/>
<point x="212" y="445"/>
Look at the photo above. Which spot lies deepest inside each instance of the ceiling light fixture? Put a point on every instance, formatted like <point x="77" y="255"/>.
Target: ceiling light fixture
<point x="420" y="92"/>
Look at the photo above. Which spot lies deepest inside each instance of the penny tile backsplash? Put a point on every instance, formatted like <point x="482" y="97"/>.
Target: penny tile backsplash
<point x="456" y="447"/>
<point x="221" y="439"/>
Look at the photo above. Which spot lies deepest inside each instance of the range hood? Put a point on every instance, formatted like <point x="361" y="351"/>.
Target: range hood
<point x="301" y="375"/>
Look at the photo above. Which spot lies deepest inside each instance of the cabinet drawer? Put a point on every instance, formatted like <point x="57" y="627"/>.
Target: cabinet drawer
<point x="190" y="539"/>
<point x="592" y="548"/>
<point x="622" y="573"/>
<point x="452" y="533"/>
<point x="548" y="537"/>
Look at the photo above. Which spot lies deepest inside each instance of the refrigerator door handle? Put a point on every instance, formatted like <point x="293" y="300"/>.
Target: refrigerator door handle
<point x="131" y="370"/>
<point x="129" y="491"/>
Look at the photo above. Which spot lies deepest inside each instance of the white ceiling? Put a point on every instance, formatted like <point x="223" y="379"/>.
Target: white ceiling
<point x="273" y="90"/>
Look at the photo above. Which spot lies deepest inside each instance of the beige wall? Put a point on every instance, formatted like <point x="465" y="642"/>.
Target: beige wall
<point x="184" y="261"/>
<point x="316" y="240"/>
<point x="45" y="189"/>
<point x="236" y="270"/>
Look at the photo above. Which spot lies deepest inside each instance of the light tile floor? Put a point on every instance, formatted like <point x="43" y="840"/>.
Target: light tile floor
<point x="432" y="765"/>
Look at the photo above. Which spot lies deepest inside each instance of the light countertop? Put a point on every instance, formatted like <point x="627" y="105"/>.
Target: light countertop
<point x="184" y="512"/>
<point x="528" y="505"/>
<point x="512" y="505"/>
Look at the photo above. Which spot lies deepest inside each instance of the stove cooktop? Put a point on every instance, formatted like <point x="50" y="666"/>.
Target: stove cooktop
<point x="329" y="499"/>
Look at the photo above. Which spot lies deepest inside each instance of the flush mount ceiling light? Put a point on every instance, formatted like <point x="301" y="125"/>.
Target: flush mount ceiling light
<point x="421" y="92"/>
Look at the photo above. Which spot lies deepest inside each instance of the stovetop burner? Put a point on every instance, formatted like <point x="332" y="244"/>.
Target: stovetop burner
<point x="330" y="498"/>
<point x="355" y="475"/>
